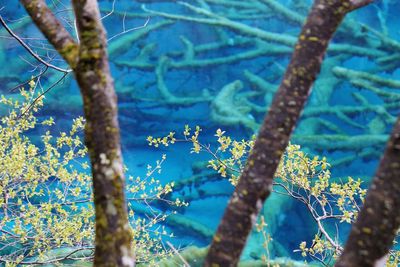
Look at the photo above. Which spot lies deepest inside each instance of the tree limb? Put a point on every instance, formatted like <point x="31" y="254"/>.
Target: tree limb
<point x="27" y="48"/>
<point x="378" y="221"/>
<point x="53" y="30"/>
<point x="255" y="183"/>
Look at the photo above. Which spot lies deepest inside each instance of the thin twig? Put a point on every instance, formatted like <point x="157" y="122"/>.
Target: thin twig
<point x="27" y="48"/>
<point x="186" y="264"/>
<point x="28" y="81"/>
<point x="41" y="95"/>
<point x="111" y="12"/>
<point x="129" y="30"/>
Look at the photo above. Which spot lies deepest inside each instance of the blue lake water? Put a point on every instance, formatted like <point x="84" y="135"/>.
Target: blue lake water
<point x="170" y="73"/>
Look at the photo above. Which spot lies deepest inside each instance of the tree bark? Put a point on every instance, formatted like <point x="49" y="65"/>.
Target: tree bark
<point x="373" y="232"/>
<point x="256" y="180"/>
<point x="53" y="30"/>
<point x="89" y="61"/>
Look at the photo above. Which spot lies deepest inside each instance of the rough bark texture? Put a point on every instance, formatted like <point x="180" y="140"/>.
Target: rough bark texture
<point x="89" y="61"/>
<point x="52" y="29"/>
<point x="256" y="180"/>
<point x="113" y="238"/>
<point x="372" y="234"/>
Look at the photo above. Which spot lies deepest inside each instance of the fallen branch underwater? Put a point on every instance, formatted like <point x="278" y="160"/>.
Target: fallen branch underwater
<point x="189" y="60"/>
<point x="243" y="99"/>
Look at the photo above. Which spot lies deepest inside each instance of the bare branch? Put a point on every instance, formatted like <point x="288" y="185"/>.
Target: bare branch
<point x="111" y="12"/>
<point x="130" y="29"/>
<point x="27" y="48"/>
<point x="42" y="95"/>
<point x="53" y="30"/>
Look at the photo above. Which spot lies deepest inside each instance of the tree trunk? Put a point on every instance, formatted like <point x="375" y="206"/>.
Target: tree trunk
<point x="113" y="238"/>
<point x="89" y="61"/>
<point x="379" y="219"/>
<point x="256" y="180"/>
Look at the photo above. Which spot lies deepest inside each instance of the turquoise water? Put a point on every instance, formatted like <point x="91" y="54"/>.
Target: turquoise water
<point x="170" y="72"/>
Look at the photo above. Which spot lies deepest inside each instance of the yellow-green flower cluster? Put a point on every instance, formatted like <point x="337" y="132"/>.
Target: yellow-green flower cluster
<point x="46" y="196"/>
<point x="40" y="185"/>
<point x="307" y="179"/>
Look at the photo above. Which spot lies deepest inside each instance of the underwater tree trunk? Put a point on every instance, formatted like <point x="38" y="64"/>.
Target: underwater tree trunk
<point x="256" y="180"/>
<point x="89" y="61"/>
<point x="373" y="232"/>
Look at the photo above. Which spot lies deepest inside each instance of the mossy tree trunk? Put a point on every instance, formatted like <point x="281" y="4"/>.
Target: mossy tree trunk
<point x="256" y="180"/>
<point x="373" y="232"/>
<point x="89" y="61"/>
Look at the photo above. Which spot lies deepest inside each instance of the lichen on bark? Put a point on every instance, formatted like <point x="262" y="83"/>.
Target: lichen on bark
<point x="273" y="137"/>
<point x="379" y="220"/>
<point x="89" y="60"/>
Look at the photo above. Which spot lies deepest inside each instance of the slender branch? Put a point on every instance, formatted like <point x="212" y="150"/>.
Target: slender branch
<point x="130" y="29"/>
<point x="41" y="95"/>
<point x="55" y="260"/>
<point x="53" y="30"/>
<point x="27" y="48"/>
<point x="111" y="12"/>
<point x="28" y="81"/>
